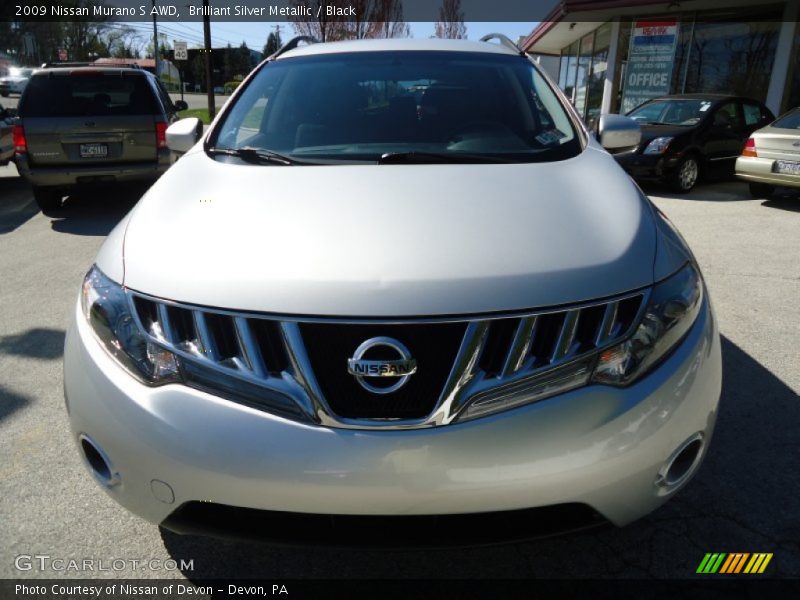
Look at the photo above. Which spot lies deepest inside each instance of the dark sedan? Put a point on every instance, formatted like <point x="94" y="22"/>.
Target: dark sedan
<point x="690" y="135"/>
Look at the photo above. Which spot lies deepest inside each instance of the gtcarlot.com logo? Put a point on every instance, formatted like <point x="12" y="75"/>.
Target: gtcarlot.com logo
<point x="734" y="563"/>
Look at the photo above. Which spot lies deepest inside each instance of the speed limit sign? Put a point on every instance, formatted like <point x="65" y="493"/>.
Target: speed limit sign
<point x="181" y="53"/>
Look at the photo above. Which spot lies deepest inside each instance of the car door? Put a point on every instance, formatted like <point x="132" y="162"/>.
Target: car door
<point x="724" y="136"/>
<point x="6" y="138"/>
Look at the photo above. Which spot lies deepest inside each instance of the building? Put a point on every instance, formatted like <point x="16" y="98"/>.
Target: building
<point x="615" y="54"/>
<point x="167" y="71"/>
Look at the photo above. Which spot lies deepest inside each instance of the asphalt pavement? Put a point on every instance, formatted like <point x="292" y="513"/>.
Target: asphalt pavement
<point x="744" y="499"/>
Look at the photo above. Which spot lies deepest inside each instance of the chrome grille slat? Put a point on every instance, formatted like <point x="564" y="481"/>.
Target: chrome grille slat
<point x="607" y="324"/>
<point x="249" y="349"/>
<point x="566" y="337"/>
<point x="520" y="346"/>
<point x="235" y="343"/>
<point x="165" y="324"/>
<point x="207" y="345"/>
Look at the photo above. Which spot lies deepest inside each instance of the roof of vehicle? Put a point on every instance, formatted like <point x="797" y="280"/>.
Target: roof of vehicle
<point x="102" y="69"/>
<point x="396" y="45"/>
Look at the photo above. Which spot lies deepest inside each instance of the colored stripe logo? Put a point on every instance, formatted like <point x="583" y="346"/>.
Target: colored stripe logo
<point x="734" y="563"/>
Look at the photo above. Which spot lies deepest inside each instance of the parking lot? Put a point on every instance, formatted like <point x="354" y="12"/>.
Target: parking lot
<point x="745" y="498"/>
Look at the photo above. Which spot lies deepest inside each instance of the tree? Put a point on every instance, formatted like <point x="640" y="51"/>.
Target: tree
<point x="244" y="63"/>
<point x="123" y="42"/>
<point x="388" y="15"/>
<point x="325" y="28"/>
<point x="373" y="19"/>
<point x="451" y="21"/>
<point x="273" y="44"/>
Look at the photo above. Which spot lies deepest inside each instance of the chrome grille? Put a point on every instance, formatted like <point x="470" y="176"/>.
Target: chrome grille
<point x="268" y="357"/>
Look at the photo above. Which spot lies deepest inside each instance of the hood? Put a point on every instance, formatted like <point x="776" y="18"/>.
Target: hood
<point x="390" y="240"/>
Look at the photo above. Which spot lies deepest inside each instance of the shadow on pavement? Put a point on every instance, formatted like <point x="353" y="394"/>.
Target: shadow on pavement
<point x="10" y="402"/>
<point x="787" y="201"/>
<point x="95" y="213"/>
<point x="744" y="497"/>
<point x="44" y="344"/>
<point x="16" y="203"/>
<point x="710" y="191"/>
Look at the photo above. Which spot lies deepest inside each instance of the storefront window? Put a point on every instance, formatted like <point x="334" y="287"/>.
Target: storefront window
<point x="622" y="63"/>
<point x="572" y="68"/>
<point x="732" y="57"/>
<point x="584" y="69"/>
<point x="597" y="75"/>
<point x="562" y="70"/>
<point x="792" y="95"/>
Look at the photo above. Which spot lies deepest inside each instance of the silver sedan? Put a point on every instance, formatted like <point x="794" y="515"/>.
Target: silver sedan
<point x="771" y="157"/>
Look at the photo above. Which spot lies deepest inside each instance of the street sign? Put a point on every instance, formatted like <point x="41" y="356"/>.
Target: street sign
<point x="180" y="51"/>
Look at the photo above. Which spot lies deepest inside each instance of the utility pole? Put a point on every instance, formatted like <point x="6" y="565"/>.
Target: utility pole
<point x="207" y="51"/>
<point x="155" y="37"/>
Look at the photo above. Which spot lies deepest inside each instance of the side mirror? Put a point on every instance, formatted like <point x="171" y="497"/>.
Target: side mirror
<point x="617" y="131"/>
<point x="180" y="105"/>
<point x="183" y="134"/>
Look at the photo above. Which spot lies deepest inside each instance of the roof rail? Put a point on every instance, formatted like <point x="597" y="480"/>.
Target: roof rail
<point x="53" y="65"/>
<point x="73" y="64"/>
<point x="504" y="41"/>
<point x="292" y="44"/>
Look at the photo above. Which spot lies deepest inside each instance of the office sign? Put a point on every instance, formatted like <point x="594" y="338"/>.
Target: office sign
<point x="651" y="57"/>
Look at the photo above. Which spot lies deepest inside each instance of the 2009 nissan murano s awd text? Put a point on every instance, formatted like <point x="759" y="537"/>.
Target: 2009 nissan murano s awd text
<point x="395" y="283"/>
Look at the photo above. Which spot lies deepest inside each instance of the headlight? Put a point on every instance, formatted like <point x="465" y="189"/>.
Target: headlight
<point x="671" y="310"/>
<point x="658" y="145"/>
<point x="108" y="312"/>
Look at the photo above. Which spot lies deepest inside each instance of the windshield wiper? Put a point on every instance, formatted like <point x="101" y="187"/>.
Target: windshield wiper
<point x="257" y="156"/>
<point x="414" y="157"/>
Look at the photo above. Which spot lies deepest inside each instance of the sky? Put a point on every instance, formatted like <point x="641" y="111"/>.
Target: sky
<point x="255" y="34"/>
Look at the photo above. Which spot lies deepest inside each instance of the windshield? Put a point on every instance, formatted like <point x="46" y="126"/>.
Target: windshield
<point x="671" y="112"/>
<point x="362" y="106"/>
<point x="18" y="72"/>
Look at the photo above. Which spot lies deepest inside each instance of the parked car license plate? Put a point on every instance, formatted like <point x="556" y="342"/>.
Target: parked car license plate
<point x="787" y="167"/>
<point x="94" y="150"/>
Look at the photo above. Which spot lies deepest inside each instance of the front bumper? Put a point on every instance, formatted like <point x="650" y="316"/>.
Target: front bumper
<point x="647" y="166"/>
<point x="598" y="446"/>
<point x="759" y="170"/>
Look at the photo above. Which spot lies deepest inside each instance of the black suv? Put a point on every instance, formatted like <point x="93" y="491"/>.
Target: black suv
<point x="86" y="126"/>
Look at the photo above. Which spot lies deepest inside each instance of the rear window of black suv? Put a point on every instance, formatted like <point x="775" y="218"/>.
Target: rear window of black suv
<point x="86" y="92"/>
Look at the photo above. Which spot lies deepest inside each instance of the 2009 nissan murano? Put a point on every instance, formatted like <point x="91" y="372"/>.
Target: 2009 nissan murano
<point x="396" y="291"/>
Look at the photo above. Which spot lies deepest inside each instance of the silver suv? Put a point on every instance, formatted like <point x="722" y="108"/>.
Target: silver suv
<point x="84" y="126"/>
<point x="396" y="290"/>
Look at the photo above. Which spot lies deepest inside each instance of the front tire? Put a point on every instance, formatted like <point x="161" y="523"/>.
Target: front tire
<point x="761" y="190"/>
<point x="48" y="199"/>
<point x="685" y="176"/>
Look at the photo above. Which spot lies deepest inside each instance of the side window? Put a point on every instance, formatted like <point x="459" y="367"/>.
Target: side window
<point x="166" y="101"/>
<point x="727" y="115"/>
<point x="752" y="113"/>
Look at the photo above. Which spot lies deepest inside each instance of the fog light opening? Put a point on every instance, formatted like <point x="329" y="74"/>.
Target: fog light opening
<point x="98" y="462"/>
<point x="681" y="465"/>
